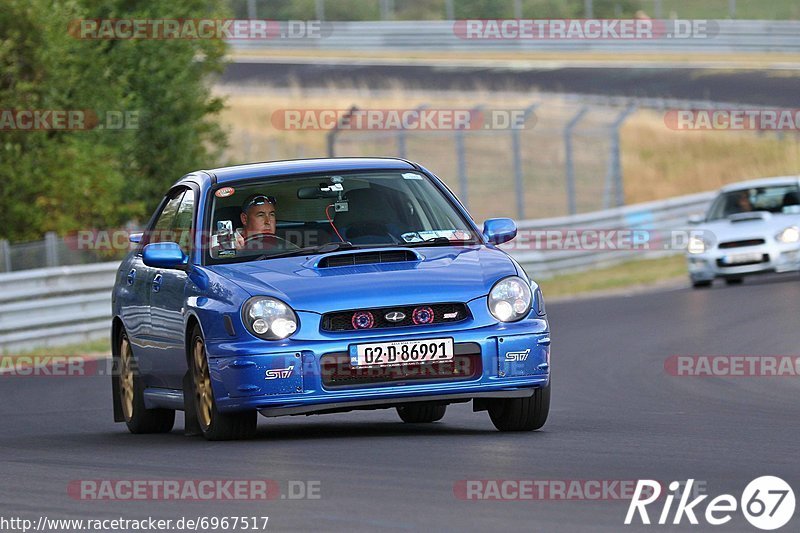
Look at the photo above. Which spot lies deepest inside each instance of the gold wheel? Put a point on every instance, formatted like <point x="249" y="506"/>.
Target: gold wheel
<point x="126" y="379"/>
<point x="202" y="384"/>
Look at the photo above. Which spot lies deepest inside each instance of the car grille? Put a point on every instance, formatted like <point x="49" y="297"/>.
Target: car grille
<point x="442" y="314"/>
<point x="741" y="244"/>
<point x="466" y="364"/>
<point x="764" y="259"/>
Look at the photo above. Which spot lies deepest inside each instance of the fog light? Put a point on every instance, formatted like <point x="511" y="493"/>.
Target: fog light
<point x="422" y="315"/>
<point x="363" y="320"/>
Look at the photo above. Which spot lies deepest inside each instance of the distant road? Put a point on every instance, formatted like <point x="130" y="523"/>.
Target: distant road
<point x="766" y="88"/>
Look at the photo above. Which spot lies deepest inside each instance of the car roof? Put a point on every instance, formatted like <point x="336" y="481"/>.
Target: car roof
<point x="306" y="166"/>
<point x="763" y="182"/>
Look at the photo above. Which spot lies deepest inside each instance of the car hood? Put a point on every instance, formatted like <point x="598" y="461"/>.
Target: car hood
<point x="444" y="274"/>
<point x="760" y="225"/>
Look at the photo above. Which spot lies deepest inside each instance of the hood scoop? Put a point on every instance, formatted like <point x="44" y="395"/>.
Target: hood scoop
<point x="367" y="258"/>
<point x="749" y="216"/>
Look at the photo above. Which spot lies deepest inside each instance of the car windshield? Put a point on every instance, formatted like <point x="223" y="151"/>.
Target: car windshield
<point x="775" y="199"/>
<point x="321" y="213"/>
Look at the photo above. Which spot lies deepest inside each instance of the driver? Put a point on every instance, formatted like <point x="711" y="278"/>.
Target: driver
<point x="258" y="217"/>
<point x="743" y="202"/>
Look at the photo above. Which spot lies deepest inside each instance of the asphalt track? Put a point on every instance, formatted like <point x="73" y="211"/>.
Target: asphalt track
<point x="741" y="86"/>
<point x="616" y="415"/>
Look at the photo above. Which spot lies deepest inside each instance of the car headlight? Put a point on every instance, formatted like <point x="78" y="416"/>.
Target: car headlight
<point x="789" y="235"/>
<point x="510" y="299"/>
<point x="269" y="318"/>
<point x="696" y="245"/>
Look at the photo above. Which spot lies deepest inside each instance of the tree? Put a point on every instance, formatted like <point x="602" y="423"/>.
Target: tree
<point x="57" y="180"/>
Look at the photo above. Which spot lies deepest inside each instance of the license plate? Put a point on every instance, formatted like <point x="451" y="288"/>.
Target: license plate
<point x="743" y="258"/>
<point x="401" y="352"/>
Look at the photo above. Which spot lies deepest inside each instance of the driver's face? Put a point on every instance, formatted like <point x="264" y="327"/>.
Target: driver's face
<point x="744" y="202"/>
<point x="259" y="219"/>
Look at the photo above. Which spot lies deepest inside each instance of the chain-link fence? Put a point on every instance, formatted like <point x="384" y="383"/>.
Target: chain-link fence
<point x="565" y="159"/>
<point x="453" y="9"/>
<point x="561" y="160"/>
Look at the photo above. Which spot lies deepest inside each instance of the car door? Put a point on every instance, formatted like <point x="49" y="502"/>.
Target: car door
<point x="167" y="299"/>
<point x="152" y="363"/>
<point x="132" y="297"/>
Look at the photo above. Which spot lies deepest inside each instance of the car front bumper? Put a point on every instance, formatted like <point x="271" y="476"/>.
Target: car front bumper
<point x="715" y="263"/>
<point x="303" y="384"/>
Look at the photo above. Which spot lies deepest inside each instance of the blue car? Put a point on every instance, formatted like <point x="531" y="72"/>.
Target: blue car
<point x="323" y="286"/>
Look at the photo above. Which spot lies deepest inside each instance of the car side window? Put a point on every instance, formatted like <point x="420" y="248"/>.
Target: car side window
<point x="163" y="228"/>
<point x="183" y="222"/>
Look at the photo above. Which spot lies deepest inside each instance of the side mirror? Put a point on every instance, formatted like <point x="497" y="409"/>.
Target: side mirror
<point x="696" y="219"/>
<point x="164" y="255"/>
<point x="499" y="230"/>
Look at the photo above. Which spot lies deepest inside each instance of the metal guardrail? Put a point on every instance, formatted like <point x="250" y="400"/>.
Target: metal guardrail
<point x="729" y="36"/>
<point x="55" y="306"/>
<point x="658" y="220"/>
<point x="66" y="305"/>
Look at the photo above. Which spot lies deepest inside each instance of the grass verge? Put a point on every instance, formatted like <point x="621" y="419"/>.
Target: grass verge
<point x="640" y="273"/>
<point x="95" y="348"/>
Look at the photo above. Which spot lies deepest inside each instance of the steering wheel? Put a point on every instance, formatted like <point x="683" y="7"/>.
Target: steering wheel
<point x="267" y="241"/>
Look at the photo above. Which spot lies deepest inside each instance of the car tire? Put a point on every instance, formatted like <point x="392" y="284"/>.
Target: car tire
<point x="138" y="418"/>
<point x="703" y="284"/>
<point x="733" y="281"/>
<point x="421" y="413"/>
<point x="213" y="424"/>
<point x="521" y="414"/>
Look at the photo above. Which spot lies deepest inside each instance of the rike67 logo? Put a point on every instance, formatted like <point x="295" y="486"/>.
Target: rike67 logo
<point x="767" y="503"/>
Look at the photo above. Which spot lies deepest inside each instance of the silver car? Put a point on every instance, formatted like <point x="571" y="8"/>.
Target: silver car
<point x="752" y="227"/>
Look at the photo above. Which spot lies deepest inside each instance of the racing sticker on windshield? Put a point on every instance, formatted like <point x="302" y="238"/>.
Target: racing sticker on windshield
<point x="411" y="176"/>
<point x="224" y="192"/>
